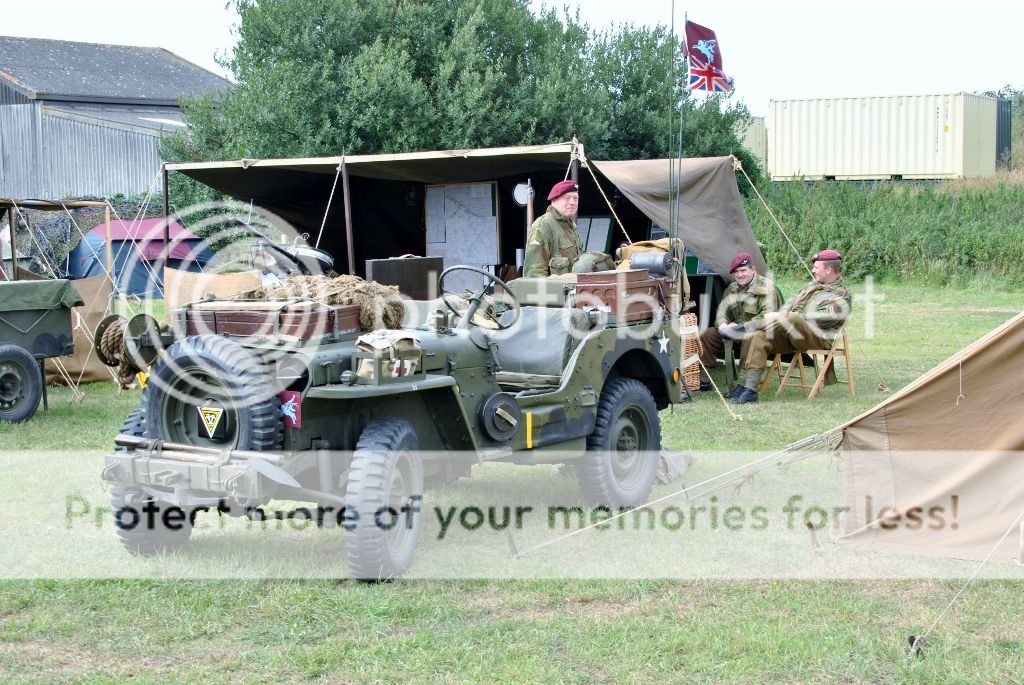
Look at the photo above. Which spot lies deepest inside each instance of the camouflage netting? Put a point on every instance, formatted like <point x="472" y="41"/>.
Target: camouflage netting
<point x="380" y="305"/>
<point x="54" y="234"/>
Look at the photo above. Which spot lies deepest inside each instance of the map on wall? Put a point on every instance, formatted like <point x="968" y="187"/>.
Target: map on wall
<point x="462" y="221"/>
<point x="594" y="231"/>
<point x="462" y="225"/>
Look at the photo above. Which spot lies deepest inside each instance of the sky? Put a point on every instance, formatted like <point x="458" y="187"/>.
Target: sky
<point x="787" y="49"/>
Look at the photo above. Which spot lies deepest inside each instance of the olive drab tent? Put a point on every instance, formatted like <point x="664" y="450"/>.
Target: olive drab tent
<point x="390" y="197"/>
<point x="938" y="468"/>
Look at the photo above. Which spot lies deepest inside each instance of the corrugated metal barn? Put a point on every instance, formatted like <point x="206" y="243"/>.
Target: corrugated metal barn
<point x="80" y="119"/>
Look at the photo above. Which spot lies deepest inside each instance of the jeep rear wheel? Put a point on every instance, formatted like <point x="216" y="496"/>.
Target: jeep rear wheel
<point x="21" y="385"/>
<point x="622" y="453"/>
<point x="140" y="532"/>
<point x="211" y="391"/>
<point x="385" y="488"/>
<point x="146" y="526"/>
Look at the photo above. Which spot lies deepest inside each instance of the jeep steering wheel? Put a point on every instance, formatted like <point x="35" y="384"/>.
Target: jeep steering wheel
<point x="476" y="298"/>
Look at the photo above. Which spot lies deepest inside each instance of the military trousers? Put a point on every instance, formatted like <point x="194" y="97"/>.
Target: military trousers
<point x="782" y="333"/>
<point x="712" y="347"/>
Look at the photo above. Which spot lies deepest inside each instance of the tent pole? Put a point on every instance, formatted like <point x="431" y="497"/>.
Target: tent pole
<point x="529" y="208"/>
<point x="14" y="245"/>
<point x="167" y="227"/>
<point x="574" y="162"/>
<point x="348" y="219"/>
<point x="110" y="254"/>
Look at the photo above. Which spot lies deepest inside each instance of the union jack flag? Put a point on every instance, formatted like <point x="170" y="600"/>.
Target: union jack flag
<point x="705" y="58"/>
<point x="706" y="77"/>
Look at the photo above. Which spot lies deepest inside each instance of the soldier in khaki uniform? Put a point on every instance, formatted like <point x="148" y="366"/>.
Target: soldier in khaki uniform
<point x="744" y="305"/>
<point x="809" y="321"/>
<point x="554" y="244"/>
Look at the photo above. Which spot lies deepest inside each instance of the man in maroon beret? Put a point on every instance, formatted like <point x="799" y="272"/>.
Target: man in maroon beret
<point x="811" y="320"/>
<point x="554" y="244"/>
<point x="744" y="305"/>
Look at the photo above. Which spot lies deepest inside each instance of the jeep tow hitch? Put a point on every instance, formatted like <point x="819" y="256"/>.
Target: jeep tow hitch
<point x="265" y="463"/>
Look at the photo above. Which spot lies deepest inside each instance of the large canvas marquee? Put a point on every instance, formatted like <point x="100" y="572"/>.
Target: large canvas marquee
<point x="387" y="196"/>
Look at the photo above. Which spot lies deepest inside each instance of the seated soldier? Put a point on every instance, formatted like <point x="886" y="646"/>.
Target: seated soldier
<point x="809" y="321"/>
<point x="744" y="305"/>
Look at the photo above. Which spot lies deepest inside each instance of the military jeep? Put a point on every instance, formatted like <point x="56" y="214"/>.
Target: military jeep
<point x="306" y="408"/>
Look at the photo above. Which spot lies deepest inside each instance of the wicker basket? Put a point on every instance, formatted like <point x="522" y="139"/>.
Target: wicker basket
<point x="691" y="348"/>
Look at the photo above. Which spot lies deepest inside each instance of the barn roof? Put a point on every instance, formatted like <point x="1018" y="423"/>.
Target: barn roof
<point x="44" y="69"/>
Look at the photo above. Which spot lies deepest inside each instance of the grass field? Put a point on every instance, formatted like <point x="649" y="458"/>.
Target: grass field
<point x="575" y="631"/>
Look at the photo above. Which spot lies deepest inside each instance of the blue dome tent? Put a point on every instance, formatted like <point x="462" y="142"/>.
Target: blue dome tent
<point x="137" y="249"/>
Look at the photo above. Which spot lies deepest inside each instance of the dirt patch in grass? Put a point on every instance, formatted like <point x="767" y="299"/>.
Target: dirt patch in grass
<point x="63" y="660"/>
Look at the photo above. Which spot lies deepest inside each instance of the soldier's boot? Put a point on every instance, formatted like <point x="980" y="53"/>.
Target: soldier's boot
<point x="734" y="392"/>
<point x="748" y="391"/>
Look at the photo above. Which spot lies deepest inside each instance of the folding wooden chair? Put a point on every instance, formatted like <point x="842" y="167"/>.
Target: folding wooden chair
<point x="840" y="348"/>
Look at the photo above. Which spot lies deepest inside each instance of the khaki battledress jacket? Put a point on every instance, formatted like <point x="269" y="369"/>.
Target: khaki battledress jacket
<point x="553" y="247"/>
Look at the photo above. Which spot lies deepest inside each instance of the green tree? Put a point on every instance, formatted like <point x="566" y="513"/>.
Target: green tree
<point x="324" y="77"/>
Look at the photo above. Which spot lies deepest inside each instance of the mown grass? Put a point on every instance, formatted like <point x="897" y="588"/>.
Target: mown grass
<point x="574" y="631"/>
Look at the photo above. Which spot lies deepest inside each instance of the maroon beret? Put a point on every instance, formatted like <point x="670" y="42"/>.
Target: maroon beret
<point x="561" y="188"/>
<point x="742" y="259"/>
<point x="827" y="256"/>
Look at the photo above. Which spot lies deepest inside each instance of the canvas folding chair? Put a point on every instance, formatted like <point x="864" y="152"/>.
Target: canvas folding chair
<point x="820" y="360"/>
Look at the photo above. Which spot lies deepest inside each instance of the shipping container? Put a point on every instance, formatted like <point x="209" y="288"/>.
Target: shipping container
<point x="1004" y="133"/>
<point x="905" y="136"/>
<point x="754" y="137"/>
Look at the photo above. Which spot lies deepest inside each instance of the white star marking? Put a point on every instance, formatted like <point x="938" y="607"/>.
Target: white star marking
<point x="663" y="341"/>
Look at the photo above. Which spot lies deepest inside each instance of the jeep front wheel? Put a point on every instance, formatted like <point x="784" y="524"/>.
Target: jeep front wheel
<point x="385" y="490"/>
<point x="622" y="453"/>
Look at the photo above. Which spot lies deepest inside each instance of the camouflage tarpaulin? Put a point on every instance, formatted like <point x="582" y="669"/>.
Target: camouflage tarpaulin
<point x="25" y="295"/>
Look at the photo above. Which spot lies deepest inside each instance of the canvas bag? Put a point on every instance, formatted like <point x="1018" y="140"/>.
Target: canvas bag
<point x="393" y="343"/>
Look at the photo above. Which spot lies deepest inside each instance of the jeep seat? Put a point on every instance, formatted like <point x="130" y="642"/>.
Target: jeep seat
<point x="534" y="351"/>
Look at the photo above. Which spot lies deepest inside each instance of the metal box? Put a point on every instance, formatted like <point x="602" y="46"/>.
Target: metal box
<point x="906" y="136"/>
<point x="629" y="295"/>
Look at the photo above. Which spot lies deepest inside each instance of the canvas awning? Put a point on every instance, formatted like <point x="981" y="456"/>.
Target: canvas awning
<point x="711" y="217"/>
<point x="387" y="203"/>
<point x="283" y="179"/>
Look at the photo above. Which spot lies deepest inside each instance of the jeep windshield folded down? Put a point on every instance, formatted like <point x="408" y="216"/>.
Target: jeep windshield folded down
<point x="252" y="402"/>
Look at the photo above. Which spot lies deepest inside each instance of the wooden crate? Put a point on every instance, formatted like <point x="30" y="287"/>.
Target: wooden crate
<point x="295" y="320"/>
<point x="630" y="295"/>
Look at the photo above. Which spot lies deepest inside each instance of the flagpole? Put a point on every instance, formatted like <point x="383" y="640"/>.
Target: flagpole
<point x="677" y="177"/>
<point x="673" y="219"/>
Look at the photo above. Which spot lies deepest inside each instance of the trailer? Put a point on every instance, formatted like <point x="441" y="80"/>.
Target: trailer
<point x="35" y="324"/>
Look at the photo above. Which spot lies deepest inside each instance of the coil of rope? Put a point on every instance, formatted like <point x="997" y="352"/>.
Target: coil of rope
<point x="112" y="348"/>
